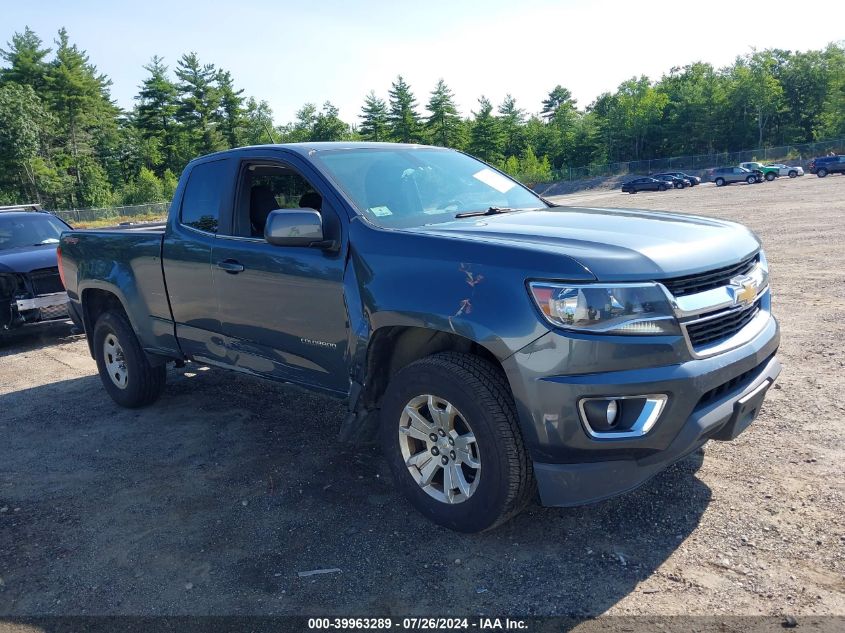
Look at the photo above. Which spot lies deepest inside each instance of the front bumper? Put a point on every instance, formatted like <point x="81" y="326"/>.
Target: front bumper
<point x="552" y="374"/>
<point x="25" y="312"/>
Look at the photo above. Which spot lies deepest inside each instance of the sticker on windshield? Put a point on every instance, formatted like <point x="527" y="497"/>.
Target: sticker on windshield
<point x="380" y="212"/>
<point x="495" y="180"/>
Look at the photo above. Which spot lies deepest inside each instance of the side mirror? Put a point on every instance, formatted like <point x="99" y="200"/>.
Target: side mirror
<point x="294" y="227"/>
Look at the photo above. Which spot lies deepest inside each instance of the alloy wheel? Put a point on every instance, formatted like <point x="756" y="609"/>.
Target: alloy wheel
<point x="439" y="449"/>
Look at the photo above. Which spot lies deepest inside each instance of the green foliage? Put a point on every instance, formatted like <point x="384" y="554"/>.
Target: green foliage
<point x="404" y="122"/>
<point x="486" y="140"/>
<point x="374" y="119"/>
<point x="444" y="123"/>
<point x="64" y="143"/>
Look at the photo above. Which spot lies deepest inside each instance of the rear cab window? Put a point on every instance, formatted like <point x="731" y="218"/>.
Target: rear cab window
<point x="203" y="194"/>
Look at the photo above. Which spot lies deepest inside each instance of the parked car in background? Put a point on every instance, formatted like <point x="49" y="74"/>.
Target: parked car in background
<point x="675" y="181"/>
<point x="31" y="291"/>
<point x="726" y="175"/>
<point x="786" y="170"/>
<point x="824" y="165"/>
<point x="769" y="173"/>
<point x="692" y="181"/>
<point x="645" y="184"/>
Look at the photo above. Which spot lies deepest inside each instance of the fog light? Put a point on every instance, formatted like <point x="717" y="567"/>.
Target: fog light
<point x="621" y="416"/>
<point x="601" y="414"/>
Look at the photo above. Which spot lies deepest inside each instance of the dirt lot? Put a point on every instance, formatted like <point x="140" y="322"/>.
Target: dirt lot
<point x="212" y="500"/>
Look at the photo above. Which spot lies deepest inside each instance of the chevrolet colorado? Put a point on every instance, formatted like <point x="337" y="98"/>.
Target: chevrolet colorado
<point x="498" y="345"/>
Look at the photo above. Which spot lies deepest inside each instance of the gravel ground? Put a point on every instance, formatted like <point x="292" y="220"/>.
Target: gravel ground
<point x="213" y="500"/>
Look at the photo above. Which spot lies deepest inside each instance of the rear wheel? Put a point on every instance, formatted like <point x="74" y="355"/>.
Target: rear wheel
<point x="821" y="173"/>
<point x="793" y="174"/>
<point x="126" y="373"/>
<point x="450" y="434"/>
<point x="770" y="176"/>
<point x="751" y="180"/>
<point x="720" y="182"/>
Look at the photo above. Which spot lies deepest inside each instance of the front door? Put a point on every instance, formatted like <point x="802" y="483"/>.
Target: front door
<point x="281" y="308"/>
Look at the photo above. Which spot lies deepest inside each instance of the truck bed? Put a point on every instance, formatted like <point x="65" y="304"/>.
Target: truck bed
<point x="125" y="261"/>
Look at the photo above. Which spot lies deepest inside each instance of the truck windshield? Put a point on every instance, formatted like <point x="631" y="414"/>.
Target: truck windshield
<point x="32" y="229"/>
<point x="415" y="186"/>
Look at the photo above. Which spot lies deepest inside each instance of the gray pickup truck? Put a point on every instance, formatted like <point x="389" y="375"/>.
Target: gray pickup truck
<point x="496" y="344"/>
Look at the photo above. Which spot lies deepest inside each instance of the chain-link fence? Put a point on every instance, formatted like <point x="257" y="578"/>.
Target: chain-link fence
<point x="793" y="154"/>
<point x="113" y="213"/>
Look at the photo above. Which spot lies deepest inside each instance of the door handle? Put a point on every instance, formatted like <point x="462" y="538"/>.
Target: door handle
<point x="230" y="266"/>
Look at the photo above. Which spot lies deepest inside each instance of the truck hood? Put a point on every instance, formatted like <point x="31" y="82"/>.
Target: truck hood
<point x="614" y="244"/>
<point x="28" y="258"/>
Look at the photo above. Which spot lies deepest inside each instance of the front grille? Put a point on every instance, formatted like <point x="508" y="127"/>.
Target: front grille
<point x="54" y="312"/>
<point x="46" y="281"/>
<point x="713" y="330"/>
<point x="692" y="284"/>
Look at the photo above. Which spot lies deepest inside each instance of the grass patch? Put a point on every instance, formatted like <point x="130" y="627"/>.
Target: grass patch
<point x="115" y="220"/>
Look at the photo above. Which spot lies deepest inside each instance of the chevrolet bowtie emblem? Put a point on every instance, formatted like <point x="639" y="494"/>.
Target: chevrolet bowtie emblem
<point x="744" y="290"/>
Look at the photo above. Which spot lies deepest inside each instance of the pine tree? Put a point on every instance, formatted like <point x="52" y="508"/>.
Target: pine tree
<point x="444" y="123"/>
<point x="155" y="116"/>
<point x="486" y="136"/>
<point x="374" y="119"/>
<point x="403" y="118"/>
<point x="231" y="109"/>
<point x="199" y="99"/>
<point x="512" y="123"/>
<point x="79" y="97"/>
<point x="557" y="98"/>
<point x="26" y="60"/>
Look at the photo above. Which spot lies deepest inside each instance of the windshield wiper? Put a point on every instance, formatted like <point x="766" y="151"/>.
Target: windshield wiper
<point x="489" y="211"/>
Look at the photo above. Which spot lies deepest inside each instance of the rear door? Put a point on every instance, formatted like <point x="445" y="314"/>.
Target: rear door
<point x="282" y="308"/>
<point x="186" y="253"/>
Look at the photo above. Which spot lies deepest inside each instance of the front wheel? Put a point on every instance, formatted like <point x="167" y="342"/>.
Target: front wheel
<point x="127" y="375"/>
<point x="821" y="173"/>
<point x="770" y="176"/>
<point x="680" y="185"/>
<point x="751" y="180"/>
<point x="793" y="174"/>
<point x="720" y="182"/>
<point x="661" y="188"/>
<point x="450" y="434"/>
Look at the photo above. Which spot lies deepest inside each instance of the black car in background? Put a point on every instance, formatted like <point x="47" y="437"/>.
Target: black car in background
<point x="645" y="184"/>
<point x="692" y="181"/>
<point x="675" y="181"/>
<point x="31" y="291"/>
<point x="824" y="165"/>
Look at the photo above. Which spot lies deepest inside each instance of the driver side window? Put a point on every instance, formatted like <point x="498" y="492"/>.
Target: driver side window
<point x="267" y="187"/>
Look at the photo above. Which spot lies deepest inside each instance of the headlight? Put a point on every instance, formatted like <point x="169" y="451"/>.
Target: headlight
<point x="606" y="308"/>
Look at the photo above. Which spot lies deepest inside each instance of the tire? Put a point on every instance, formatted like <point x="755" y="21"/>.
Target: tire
<point x="793" y="174"/>
<point x="125" y="363"/>
<point x="821" y="173"/>
<point x="770" y="176"/>
<point x="720" y="182"/>
<point x="481" y="399"/>
<point x="680" y="185"/>
<point x="661" y="187"/>
<point x="751" y="180"/>
<point x="633" y="191"/>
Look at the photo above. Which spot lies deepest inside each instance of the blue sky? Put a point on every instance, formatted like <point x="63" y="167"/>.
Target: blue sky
<point x="289" y="53"/>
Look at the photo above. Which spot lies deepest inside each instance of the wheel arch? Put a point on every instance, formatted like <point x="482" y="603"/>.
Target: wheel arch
<point x="97" y="299"/>
<point x="391" y="348"/>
